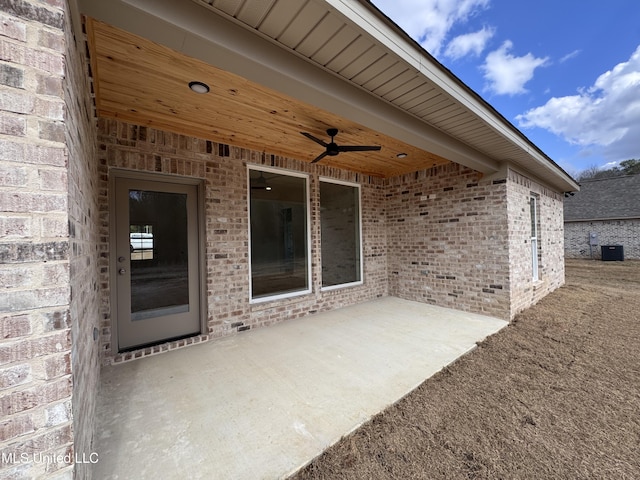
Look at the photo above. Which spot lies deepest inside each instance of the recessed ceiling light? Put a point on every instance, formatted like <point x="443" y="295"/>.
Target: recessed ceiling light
<point x="199" y="87"/>
<point x="401" y="155"/>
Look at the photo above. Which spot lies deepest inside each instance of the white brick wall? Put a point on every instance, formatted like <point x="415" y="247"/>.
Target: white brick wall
<point x="49" y="368"/>
<point x="81" y="180"/>
<point x="35" y="267"/>
<point x="446" y="236"/>
<point x="523" y="291"/>
<point x="447" y="230"/>
<point x="610" y="232"/>
<point x="224" y="171"/>
<point x="438" y="236"/>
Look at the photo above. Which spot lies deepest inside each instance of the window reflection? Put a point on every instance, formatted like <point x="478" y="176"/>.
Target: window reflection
<point x="279" y="243"/>
<point x="159" y="253"/>
<point x="340" y="226"/>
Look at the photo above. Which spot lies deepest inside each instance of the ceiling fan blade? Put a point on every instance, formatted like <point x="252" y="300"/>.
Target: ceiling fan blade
<point x="320" y="157"/>
<point x="315" y="139"/>
<point x="358" y="148"/>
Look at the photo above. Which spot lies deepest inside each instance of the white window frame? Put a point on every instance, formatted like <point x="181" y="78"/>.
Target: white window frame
<point x="280" y="171"/>
<point x="361" y="250"/>
<point x="533" y="208"/>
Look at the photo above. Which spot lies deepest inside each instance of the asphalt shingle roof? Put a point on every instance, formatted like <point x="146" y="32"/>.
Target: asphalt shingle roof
<point x="607" y="198"/>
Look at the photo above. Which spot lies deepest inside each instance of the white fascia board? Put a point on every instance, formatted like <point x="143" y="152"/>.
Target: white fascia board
<point x="560" y="179"/>
<point x="365" y="18"/>
<point x="197" y="32"/>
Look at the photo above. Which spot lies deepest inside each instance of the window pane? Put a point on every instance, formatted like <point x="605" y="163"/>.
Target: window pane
<point x="279" y="258"/>
<point x="340" y="225"/>
<point x="535" y="248"/>
<point x="159" y="260"/>
<point x="534" y="225"/>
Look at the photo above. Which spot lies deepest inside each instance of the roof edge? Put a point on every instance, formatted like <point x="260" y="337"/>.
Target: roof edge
<point x="385" y="30"/>
<point x="606" y="219"/>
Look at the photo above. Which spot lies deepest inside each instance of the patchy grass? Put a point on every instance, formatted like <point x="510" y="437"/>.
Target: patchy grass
<point x="554" y="395"/>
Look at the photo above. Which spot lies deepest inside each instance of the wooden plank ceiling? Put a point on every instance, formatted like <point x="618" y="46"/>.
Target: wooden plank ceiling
<point x="139" y="81"/>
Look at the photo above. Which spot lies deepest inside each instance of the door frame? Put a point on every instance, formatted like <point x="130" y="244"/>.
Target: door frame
<point x="117" y="173"/>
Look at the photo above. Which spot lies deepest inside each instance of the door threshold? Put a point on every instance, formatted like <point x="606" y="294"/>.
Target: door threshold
<point x="148" y="350"/>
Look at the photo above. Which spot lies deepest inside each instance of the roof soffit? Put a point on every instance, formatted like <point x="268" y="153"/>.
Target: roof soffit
<point x="407" y="109"/>
<point x="212" y="38"/>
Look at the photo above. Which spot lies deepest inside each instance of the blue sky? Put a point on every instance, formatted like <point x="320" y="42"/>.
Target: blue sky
<point x="565" y="72"/>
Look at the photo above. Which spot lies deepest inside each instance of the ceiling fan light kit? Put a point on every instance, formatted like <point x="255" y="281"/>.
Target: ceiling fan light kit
<point x="260" y="183"/>
<point x="332" y="148"/>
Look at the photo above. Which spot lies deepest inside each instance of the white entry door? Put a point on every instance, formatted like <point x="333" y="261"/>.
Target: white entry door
<point x="157" y="261"/>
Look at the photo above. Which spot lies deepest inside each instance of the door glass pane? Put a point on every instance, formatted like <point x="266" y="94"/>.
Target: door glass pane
<point x="159" y="258"/>
<point x="340" y="223"/>
<point x="279" y="244"/>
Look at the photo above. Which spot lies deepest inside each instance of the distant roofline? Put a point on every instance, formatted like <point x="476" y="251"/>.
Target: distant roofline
<point x="613" y="177"/>
<point x="611" y="219"/>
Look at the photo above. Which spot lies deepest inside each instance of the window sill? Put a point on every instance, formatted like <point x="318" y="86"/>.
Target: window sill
<point x="342" y="285"/>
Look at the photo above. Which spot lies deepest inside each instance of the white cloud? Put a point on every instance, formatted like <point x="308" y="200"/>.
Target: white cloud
<point x="429" y="21"/>
<point x="571" y="55"/>
<point x="507" y="74"/>
<point x="469" y="43"/>
<point x="609" y="165"/>
<point x="605" y="115"/>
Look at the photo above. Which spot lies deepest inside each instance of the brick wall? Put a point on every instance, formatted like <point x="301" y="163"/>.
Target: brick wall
<point x="35" y="319"/>
<point x="439" y="236"/>
<point x="610" y="232"/>
<point x="523" y="291"/>
<point x="447" y="240"/>
<point x="83" y="221"/>
<point x="224" y="171"/>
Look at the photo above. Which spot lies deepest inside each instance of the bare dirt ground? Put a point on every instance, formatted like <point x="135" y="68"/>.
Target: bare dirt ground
<point x="555" y="395"/>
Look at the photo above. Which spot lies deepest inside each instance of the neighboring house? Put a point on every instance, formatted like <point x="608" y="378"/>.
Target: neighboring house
<point x="605" y="212"/>
<point x="101" y="137"/>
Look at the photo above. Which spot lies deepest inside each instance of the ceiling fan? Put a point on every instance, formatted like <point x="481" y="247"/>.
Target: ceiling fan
<point x="260" y="183"/>
<point x="333" y="149"/>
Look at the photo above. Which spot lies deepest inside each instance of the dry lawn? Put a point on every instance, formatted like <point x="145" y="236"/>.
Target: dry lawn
<point x="555" y="395"/>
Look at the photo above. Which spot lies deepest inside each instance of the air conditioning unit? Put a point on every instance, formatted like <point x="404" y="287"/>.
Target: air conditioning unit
<point x="612" y="253"/>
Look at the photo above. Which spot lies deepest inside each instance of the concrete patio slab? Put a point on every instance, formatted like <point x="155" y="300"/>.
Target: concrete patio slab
<point x="261" y="404"/>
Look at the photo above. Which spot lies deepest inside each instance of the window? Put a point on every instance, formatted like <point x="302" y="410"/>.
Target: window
<point x="340" y="229"/>
<point x="533" y="204"/>
<point x="279" y="234"/>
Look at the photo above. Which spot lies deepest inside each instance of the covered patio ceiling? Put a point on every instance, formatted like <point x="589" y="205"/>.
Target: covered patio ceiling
<point x="145" y="83"/>
<point x="280" y="67"/>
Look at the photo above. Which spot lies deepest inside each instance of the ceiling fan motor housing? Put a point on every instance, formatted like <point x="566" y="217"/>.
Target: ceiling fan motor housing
<point x="332" y="149"/>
